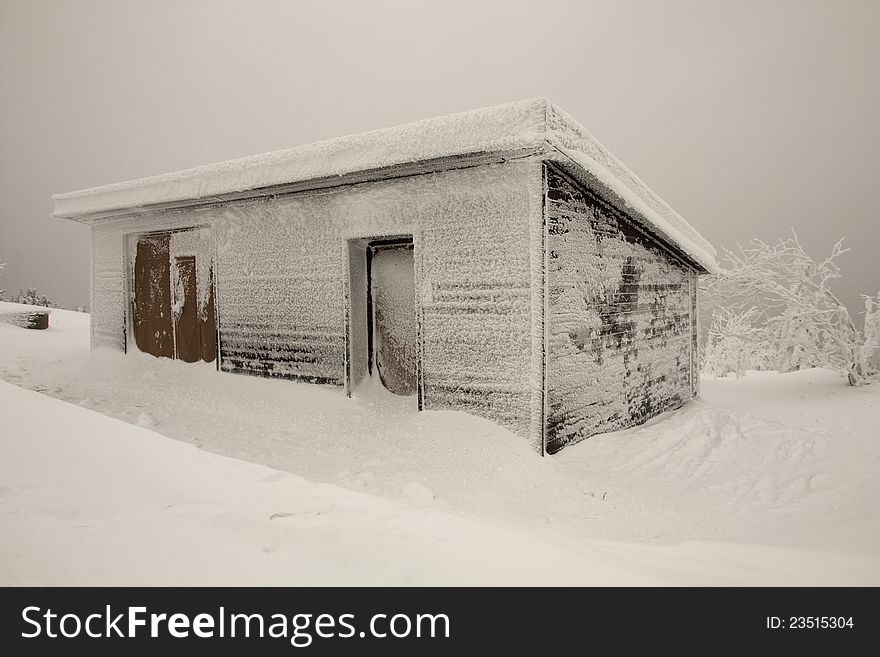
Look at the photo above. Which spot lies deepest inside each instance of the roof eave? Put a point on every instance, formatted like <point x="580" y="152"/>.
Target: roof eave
<point x="66" y="207"/>
<point x="597" y="177"/>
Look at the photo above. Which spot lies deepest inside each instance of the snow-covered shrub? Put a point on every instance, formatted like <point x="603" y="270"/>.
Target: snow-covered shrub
<point x="735" y="344"/>
<point x="32" y="298"/>
<point x="796" y="320"/>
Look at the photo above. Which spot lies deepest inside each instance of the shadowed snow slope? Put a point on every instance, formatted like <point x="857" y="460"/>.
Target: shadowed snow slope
<point x="768" y="480"/>
<point x="88" y="499"/>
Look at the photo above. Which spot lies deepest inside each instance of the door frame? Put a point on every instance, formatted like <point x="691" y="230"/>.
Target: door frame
<point x="358" y="307"/>
<point x="129" y="251"/>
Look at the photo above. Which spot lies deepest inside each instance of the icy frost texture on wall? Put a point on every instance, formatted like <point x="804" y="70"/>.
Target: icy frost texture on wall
<point x="282" y="271"/>
<point x="619" y="319"/>
<point x="108" y="289"/>
<point x="573" y="139"/>
<point x="474" y="276"/>
<point x="470" y="230"/>
<point x="279" y="289"/>
<point x="282" y="264"/>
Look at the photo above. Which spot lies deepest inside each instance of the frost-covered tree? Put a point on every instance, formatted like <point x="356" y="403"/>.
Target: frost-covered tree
<point x="871" y="343"/>
<point x="734" y="344"/>
<point x="787" y="296"/>
<point x="32" y="298"/>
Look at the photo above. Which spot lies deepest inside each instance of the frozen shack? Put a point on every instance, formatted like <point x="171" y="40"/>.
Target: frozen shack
<point x="499" y="261"/>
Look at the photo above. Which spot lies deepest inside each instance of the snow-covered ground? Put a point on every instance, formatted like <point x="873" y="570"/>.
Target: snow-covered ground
<point x="770" y="480"/>
<point x="7" y="308"/>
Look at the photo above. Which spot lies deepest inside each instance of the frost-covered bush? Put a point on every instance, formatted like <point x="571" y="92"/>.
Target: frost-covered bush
<point x="734" y="344"/>
<point x="32" y="298"/>
<point x="774" y="306"/>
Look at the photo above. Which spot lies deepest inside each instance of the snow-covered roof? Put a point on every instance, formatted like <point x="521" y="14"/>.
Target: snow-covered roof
<point x="528" y="127"/>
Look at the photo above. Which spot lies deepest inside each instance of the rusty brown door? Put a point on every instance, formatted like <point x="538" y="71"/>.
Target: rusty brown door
<point x="173" y="309"/>
<point x="208" y="324"/>
<point x="153" y="330"/>
<point x="393" y="334"/>
<point x="187" y="332"/>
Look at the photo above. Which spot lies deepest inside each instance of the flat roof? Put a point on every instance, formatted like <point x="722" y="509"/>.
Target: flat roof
<point x="530" y="127"/>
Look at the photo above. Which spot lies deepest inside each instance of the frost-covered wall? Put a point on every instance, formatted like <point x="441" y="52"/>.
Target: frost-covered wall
<point x="474" y="276"/>
<point x="279" y="288"/>
<point x="620" y="322"/>
<point x="109" y="289"/>
<point x="281" y="275"/>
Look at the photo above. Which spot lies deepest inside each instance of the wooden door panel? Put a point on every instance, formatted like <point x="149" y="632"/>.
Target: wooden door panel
<point x="208" y="325"/>
<point x="187" y="333"/>
<point x="153" y="330"/>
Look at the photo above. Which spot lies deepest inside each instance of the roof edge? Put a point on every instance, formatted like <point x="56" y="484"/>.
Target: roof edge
<point x="609" y="188"/>
<point x="433" y="165"/>
<point x="491" y="134"/>
<point x="571" y="139"/>
<point x="508" y="127"/>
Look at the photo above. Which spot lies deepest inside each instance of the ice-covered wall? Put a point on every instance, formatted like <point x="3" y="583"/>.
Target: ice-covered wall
<point x="282" y="269"/>
<point x="279" y="288"/>
<point x="474" y="280"/>
<point x="619" y="318"/>
<point x="109" y="289"/>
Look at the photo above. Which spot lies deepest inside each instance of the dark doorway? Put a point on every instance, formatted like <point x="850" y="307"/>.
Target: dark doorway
<point x="392" y="332"/>
<point x="152" y="296"/>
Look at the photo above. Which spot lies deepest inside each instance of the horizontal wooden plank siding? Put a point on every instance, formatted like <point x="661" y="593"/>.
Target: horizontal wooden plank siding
<point x="281" y="271"/>
<point x="620" y="318"/>
<point x="473" y="265"/>
<point x="473" y="336"/>
<point x="280" y="290"/>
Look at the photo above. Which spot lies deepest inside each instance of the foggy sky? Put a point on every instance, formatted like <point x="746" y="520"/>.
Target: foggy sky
<point x="746" y="117"/>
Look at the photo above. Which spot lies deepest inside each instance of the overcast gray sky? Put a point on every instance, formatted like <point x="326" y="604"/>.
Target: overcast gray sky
<point x="747" y="116"/>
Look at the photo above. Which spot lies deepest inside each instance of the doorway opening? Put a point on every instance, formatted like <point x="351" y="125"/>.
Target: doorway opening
<point x="392" y="317"/>
<point x="383" y="340"/>
<point x="172" y="294"/>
